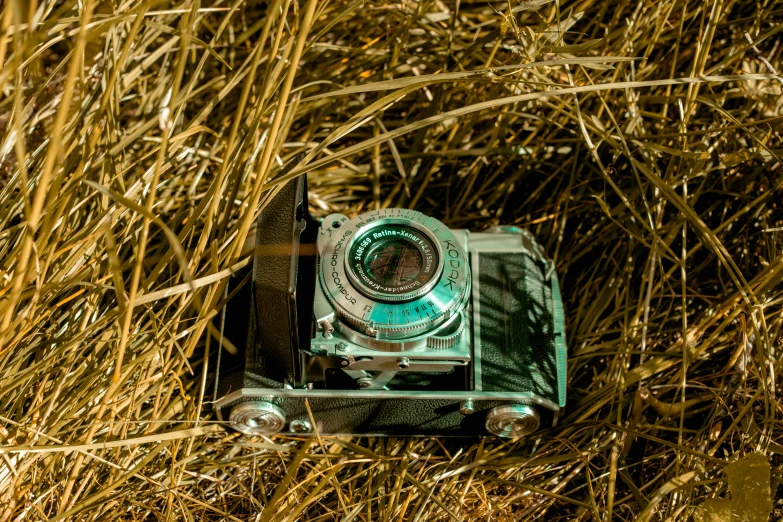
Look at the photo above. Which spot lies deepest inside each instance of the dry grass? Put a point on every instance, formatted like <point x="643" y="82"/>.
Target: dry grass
<point x="640" y="141"/>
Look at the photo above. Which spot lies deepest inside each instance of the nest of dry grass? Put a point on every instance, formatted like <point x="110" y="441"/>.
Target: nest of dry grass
<point x="639" y="141"/>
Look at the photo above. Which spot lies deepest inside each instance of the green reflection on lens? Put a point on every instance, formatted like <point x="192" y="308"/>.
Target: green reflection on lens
<point x="393" y="262"/>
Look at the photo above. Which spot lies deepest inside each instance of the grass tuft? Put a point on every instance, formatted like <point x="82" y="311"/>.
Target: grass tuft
<point x="639" y="141"/>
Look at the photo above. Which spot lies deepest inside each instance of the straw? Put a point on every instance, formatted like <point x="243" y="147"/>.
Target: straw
<point x="640" y="142"/>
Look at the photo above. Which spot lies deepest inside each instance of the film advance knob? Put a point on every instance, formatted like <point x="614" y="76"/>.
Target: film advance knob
<point x="257" y="418"/>
<point x="512" y="420"/>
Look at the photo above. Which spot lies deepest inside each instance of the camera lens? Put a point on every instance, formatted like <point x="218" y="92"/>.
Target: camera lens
<point x="392" y="262"/>
<point x="393" y="274"/>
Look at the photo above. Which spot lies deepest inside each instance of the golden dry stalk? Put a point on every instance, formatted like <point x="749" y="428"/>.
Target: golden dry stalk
<point x="639" y="141"/>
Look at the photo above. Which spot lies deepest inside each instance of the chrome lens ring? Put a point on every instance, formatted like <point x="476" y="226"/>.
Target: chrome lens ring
<point x="401" y="316"/>
<point x="394" y="234"/>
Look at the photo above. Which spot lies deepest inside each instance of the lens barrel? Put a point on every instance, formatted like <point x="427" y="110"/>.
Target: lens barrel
<point x="393" y="274"/>
<point x="393" y="261"/>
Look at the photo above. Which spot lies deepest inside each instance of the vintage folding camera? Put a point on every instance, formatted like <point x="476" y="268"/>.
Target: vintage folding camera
<point x="390" y="323"/>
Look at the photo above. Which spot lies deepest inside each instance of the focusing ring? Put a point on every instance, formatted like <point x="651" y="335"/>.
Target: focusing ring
<point x="449" y="337"/>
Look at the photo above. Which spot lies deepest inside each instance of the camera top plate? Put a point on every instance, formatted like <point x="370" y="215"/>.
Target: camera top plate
<point x="419" y="296"/>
